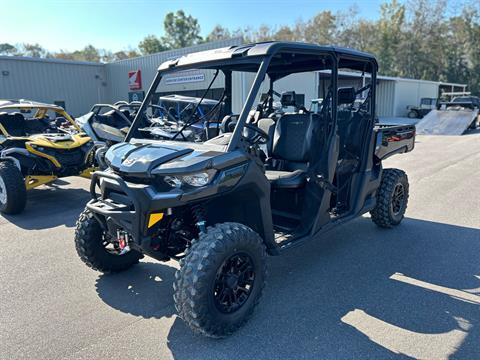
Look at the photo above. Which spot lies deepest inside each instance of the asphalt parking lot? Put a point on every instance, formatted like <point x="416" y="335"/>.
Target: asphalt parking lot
<point x="360" y="292"/>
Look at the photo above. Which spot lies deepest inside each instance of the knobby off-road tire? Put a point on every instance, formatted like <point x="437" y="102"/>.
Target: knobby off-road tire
<point x="89" y="239"/>
<point x="196" y="291"/>
<point x="392" y="199"/>
<point x="13" y="194"/>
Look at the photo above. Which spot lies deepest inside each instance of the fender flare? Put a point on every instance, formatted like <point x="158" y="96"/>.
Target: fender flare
<point x="5" y="155"/>
<point x="12" y="160"/>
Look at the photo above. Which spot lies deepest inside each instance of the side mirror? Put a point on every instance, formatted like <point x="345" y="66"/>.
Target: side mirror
<point x="346" y="95"/>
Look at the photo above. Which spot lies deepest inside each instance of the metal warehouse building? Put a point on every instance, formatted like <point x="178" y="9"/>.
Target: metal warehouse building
<point x="79" y="85"/>
<point x="76" y="85"/>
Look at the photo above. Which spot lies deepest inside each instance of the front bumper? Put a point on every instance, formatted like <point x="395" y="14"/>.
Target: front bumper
<point x="128" y="205"/>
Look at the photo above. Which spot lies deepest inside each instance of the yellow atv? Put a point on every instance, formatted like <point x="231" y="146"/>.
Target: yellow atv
<point x="39" y="143"/>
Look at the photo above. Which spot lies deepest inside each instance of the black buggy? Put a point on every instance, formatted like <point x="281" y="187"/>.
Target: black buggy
<point x="272" y="179"/>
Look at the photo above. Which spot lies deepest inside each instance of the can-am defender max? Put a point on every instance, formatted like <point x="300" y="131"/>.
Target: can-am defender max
<point x="279" y="179"/>
<point x="39" y="143"/>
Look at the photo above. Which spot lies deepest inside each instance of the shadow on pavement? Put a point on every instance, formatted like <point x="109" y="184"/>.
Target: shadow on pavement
<point x="358" y="292"/>
<point x="50" y="206"/>
<point x="144" y="290"/>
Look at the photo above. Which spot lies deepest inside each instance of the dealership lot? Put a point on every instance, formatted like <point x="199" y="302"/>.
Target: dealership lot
<point x="362" y="292"/>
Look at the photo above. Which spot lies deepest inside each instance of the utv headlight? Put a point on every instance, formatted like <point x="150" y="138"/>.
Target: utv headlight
<point x="196" y="180"/>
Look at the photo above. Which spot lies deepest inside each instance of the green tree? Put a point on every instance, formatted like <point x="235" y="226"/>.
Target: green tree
<point x="64" y="55"/>
<point x="125" y="54"/>
<point x="33" y="50"/>
<point x="423" y="45"/>
<point x="390" y="32"/>
<point x="181" y="30"/>
<point x="88" y="53"/>
<point x="456" y="45"/>
<point x="321" y="29"/>
<point x="362" y="35"/>
<point x="285" y="33"/>
<point x="218" y="33"/>
<point x="8" y="49"/>
<point x="151" y="45"/>
<point x="264" y="33"/>
<point x="462" y="49"/>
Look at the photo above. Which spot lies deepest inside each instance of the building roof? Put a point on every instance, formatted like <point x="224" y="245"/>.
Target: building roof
<point x="50" y="60"/>
<point x="346" y="74"/>
<point x="174" y="53"/>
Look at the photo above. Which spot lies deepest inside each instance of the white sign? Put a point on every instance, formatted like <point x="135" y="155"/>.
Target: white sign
<point x="184" y="79"/>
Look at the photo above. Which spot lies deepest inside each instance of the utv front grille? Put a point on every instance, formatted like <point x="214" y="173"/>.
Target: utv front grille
<point x="74" y="157"/>
<point x="71" y="158"/>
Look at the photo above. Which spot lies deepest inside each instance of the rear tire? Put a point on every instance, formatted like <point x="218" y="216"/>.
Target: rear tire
<point x="221" y="279"/>
<point x="89" y="243"/>
<point x="392" y="199"/>
<point x="13" y="193"/>
<point x="413" y="114"/>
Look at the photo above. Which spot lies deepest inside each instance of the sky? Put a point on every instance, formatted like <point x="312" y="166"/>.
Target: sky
<point x="122" y="24"/>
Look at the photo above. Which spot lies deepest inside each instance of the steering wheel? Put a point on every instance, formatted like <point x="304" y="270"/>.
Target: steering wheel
<point x="165" y="111"/>
<point x="260" y="136"/>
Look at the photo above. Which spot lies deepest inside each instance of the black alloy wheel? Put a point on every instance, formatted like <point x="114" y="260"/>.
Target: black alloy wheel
<point x="234" y="283"/>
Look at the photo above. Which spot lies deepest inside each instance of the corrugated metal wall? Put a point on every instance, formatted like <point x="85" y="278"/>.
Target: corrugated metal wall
<point x="78" y="84"/>
<point x="409" y="92"/>
<point x="117" y="72"/>
<point x="385" y="98"/>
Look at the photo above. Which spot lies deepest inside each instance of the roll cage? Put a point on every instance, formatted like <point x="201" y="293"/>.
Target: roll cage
<point x="26" y="106"/>
<point x="275" y="59"/>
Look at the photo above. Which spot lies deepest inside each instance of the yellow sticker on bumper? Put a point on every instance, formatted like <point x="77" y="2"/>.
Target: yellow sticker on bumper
<point x="154" y="218"/>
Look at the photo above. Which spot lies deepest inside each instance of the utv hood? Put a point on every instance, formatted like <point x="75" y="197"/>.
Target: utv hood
<point x="149" y="159"/>
<point x="59" y="141"/>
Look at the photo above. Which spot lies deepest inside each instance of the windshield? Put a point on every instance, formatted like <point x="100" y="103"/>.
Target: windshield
<point x="185" y="105"/>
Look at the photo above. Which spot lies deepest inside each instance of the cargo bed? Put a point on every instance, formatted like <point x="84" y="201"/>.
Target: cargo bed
<point x="393" y="139"/>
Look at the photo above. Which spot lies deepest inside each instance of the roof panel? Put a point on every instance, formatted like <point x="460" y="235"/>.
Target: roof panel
<point x="258" y="50"/>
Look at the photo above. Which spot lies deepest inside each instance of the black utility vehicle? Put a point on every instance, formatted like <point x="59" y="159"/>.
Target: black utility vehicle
<point x="278" y="179"/>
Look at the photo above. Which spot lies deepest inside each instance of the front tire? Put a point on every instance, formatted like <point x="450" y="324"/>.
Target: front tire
<point x="392" y="199"/>
<point x="221" y="279"/>
<point x="91" y="245"/>
<point x="13" y="193"/>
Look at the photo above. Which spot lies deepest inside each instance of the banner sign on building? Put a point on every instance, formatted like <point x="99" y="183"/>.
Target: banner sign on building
<point x="172" y="80"/>
<point x="135" y="80"/>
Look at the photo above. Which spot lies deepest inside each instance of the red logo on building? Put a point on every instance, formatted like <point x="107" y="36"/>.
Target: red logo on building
<point x="135" y="80"/>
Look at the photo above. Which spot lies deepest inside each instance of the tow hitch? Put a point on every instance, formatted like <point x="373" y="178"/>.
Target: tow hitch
<point x="123" y="239"/>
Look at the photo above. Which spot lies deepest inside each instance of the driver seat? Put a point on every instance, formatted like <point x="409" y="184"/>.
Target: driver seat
<point x="291" y="145"/>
